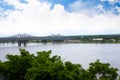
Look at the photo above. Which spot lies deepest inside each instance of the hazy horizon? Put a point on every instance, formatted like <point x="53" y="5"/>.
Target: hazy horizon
<point x="8" y="35"/>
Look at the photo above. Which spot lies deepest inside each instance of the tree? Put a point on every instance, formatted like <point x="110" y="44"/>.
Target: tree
<point x="102" y="71"/>
<point x="43" y="66"/>
<point x="15" y="68"/>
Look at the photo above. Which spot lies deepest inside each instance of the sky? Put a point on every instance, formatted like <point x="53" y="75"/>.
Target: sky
<point x="65" y="17"/>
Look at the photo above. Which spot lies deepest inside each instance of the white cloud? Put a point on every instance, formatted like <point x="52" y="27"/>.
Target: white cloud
<point x="112" y="0"/>
<point x="80" y="7"/>
<point x="118" y="9"/>
<point x="100" y="7"/>
<point x="109" y="0"/>
<point x="76" y="6"/>
<point x="37" y="18"/>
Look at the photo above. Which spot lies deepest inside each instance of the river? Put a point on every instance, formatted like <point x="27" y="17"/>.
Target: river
<point x="76" y="53"/>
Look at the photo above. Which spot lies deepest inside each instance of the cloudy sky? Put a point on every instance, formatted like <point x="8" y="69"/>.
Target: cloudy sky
<point x="66" y="17"/>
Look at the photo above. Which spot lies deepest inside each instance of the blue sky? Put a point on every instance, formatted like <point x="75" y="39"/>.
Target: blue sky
<point x="60" y="10"/>
<point x="108" y="5"/>
<point x="5" y="6"/>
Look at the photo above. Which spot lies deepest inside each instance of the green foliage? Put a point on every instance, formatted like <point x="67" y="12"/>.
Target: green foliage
<point x="43" y="66"/>
<point x="16" y="66"/>
<point x="102" y="71"/>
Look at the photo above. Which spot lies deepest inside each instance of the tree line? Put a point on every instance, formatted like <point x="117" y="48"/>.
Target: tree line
<point x="43" y="66"/>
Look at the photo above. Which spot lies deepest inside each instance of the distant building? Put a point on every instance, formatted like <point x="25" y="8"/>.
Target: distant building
<point x="72" y="41"/>
<point x="98" y="40"/>
<point x="112" y="40"/>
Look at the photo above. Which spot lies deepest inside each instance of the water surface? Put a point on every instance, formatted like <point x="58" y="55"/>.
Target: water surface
<point x="76" y="53"/>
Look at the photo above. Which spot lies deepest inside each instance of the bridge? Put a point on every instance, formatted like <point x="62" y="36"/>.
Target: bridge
<point x="23" y="39"/>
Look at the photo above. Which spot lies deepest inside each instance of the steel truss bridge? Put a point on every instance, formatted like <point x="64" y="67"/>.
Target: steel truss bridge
<point x="25" y="38"/>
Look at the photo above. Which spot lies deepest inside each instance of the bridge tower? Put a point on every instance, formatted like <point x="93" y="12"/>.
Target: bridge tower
<point x="22" y="39"/>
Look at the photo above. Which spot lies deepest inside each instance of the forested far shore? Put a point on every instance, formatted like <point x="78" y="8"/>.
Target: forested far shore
<point x="115" y="38"/>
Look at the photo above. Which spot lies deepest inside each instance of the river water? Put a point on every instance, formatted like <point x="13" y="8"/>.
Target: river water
<point x="76" y="53"/>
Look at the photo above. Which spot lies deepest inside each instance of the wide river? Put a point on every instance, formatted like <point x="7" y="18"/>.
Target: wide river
<point x="76" y="53"/>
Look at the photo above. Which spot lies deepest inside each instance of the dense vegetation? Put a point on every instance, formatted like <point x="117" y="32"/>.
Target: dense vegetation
<point x="42" y="66"/>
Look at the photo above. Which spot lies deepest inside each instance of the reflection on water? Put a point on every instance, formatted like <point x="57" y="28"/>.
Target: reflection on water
<point x="77" y="53"/>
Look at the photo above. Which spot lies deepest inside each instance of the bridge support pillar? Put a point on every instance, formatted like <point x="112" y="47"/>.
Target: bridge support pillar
<point x="24" y="42"/>
<point x="19" y="43"/>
